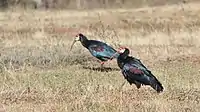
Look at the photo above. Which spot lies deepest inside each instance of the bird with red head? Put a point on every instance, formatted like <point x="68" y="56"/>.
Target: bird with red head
<point x="135" y="72"/>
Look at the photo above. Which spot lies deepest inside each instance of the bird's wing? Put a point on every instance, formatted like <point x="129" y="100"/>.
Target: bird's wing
<point x="136" y="62"/>
<point x="136" y="71"/>
<point x="102" y="50"/>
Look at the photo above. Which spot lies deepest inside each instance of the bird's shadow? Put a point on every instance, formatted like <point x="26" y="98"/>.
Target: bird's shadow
<point x="104" y="69"/>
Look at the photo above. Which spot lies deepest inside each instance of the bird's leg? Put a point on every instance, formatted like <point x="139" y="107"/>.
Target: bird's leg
<point x="109" y="61"/>
<point x="102" y="63"/>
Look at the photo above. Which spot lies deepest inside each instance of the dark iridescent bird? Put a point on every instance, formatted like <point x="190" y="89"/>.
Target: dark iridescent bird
<point x="98" y="49"/>
<point x="135" y="72"/>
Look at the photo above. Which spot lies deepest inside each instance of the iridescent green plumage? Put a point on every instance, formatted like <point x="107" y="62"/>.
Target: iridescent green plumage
<point x="135" y="72"/>
<point x="98" y="49"/>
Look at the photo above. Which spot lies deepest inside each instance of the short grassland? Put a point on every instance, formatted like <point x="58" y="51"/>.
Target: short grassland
<point x="38" y="72"/>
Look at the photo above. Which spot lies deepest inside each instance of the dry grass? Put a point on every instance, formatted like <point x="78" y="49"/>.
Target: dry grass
<point x="39" y="73"/>
<point x="87" y="4"/>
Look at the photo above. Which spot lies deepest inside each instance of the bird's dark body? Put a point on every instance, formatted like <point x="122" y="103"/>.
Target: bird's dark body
<point x="98" y="49"/>
<point x="135" y="72"/>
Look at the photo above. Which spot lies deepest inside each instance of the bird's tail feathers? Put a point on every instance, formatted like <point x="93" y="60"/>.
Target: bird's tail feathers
<point x="155" y="84"/>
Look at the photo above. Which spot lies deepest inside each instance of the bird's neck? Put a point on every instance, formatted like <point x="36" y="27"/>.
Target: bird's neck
<point x="123" y="56"/>
<point x="120" y="63"/>
<point x="121" y="60"/>
<point x="85" y="43"/>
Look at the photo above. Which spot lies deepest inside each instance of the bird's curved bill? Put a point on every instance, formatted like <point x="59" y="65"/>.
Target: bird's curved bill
<point x="114" y="55"/>
<point x="72" y="45"/>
